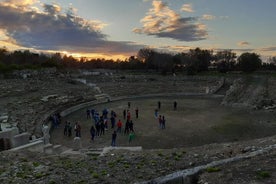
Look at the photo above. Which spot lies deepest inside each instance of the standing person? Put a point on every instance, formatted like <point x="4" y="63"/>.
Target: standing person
<point x="160" y="121"/>
<point x="69" y="128"/>
<point x="159" y="105"/>
<point x="87" y="113"/>
<point x="126" y="127"/>
<point x="128" y="105"/>
<point x="174" y="105"/>
<point x="75" y="129"/>
<point x="112" y="120"/>
<point x="130" y="137"/>
<point x="128" y="115"/>
<point x="65" y="131"/>
<point x="98" y="128"/>
<point x="124" y="114"/>
<point x="92" y="132"/>
<point x="136" y="112"/>
<point x="78" y="129"/>
<point x="119" y="126"/>
<point x="114" y="136"/>
<point x="131" y="129"/>
<point x="102" y="127"/>
<point x="156" y="113"/>
<point x="163" y="122"/>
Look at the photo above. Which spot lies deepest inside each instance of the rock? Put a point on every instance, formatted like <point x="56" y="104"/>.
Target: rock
<point x="77" y="144"/>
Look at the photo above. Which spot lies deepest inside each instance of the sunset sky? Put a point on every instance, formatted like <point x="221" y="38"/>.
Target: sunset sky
<point x="119" y="28"/>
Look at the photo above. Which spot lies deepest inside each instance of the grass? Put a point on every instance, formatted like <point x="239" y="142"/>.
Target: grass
<point x="213" y="169"/>
<point x="263" y="174"/>
<point x="95" y="175"/>
<point x="232" y="125"/>
<point x="36" y="164"/>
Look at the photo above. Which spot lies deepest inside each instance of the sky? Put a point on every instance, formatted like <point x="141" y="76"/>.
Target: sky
<point x="119" y="28"/>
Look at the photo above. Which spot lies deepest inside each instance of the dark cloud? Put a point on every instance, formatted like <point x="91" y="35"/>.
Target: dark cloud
<point x="161" y="21"/>
<point x="243" y="43"/>
<point x="53" y="30"/>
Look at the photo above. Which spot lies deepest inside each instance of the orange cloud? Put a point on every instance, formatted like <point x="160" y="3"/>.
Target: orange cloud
<point x="161" y="21"/>
<point x="187" y="8"/>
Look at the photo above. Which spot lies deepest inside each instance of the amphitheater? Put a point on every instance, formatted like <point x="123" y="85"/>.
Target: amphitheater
<point x="223" y="130"/>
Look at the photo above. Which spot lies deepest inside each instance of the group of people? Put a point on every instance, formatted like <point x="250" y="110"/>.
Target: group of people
<point x="67" y="131"/>
<point x="101" y="123"/>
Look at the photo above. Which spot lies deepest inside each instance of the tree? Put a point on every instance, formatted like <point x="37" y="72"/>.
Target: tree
<point x="201" y="59"/>
<point x="146" y="56"/>
<point x="272" y="60"/>
<point x="225" y="60"/>
<point x="249" y="62"/>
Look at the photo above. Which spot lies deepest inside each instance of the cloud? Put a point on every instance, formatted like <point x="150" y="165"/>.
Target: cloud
<point x="208" y="17"/>
<point x="161" y="21"/>
<point x="53" y="30"/>
<point x="269" y="49"/>
<point x="21" y="2"/>
<point x="243" y="43"/>
<point x="187" y="8"/>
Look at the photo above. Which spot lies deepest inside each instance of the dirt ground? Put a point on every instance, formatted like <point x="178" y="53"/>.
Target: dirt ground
<point x="197" y="121"/>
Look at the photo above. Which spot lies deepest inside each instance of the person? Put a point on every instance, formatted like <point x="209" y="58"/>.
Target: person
<point x="136" y="112"/>
<point x="124" y="114"/>
<point x="87" y="114"/>
<point x="112" y="120"/>
<point x="119" y="126"/>
<point x="69" y="128"/>
<point x="160" y="121"/>
<point x="163" y="125"/>
<point x="78" y="129"/>
<point x="128" y="105"/>
<point x="159" y="105"/>
<point x="98" y="128"/>
<point x="127" y="127"/>
<point x="113" y="142"/>
<point x="65" y="131"/>
<point x="102" y="127"/>
<point x="128" y="115"/>
<point x="131" y="126"/>
<point x="155" y="113"/>
<point x="92" y="132"/>
<point x="174" y="105"/>
<point x="130" y="137"/>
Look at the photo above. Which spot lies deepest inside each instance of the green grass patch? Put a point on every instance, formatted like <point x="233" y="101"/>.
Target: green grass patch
<point x="95" y="175"/>
<point x="36" y="164"/>
<point x="263" y="174"/>
<point x="213" y="169"/>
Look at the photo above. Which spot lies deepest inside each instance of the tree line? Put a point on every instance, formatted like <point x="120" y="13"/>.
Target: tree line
<point x="192" y="62"/>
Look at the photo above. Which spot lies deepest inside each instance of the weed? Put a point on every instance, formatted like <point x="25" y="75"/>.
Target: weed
<point x="104" y="172"/>
<point x="95" y="175"/>
<point x="126" y="165"/>
<point x="160" y="154"/>
<point x="36" y="164"/>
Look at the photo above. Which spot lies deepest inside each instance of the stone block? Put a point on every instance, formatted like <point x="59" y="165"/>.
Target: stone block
<point x="77" y="144"/>
<point x="21" y="139"/>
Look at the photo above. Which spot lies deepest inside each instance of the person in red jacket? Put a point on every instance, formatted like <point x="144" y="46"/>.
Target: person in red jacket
<point x="119" y="126"/>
